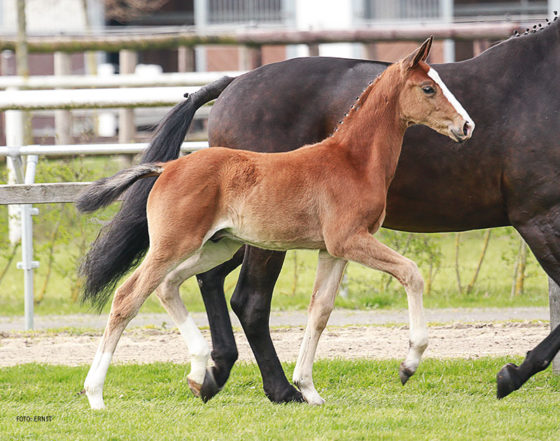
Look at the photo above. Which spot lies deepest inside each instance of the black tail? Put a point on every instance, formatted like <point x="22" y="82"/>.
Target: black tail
<point x="104" y="191"/>
<point x="123" y="241"/>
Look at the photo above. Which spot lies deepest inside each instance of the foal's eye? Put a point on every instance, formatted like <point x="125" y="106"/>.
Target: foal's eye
<point x="428" y="90"/>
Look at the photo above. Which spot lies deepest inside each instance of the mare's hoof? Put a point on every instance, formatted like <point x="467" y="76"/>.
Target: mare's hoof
<point x="208" y="389"/>
<point x="508" y="380"/>
<point x="288" y="395"/>
<point x="405" y="373"/>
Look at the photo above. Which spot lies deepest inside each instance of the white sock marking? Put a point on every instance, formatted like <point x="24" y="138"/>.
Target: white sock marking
<point x="198" y="347"/>
<point x="95" y="380"/>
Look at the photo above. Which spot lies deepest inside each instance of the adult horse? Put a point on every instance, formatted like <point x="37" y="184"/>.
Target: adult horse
<point x="506" y="176"/>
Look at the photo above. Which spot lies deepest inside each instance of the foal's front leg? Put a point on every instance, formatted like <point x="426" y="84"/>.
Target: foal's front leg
<point x="367" y="250"/>
<point x="327" y="281"/>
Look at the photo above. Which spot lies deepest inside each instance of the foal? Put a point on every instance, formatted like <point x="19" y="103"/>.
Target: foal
<point x="329" y="196"/>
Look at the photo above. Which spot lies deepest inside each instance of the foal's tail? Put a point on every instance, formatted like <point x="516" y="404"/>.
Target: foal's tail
<point x="122" y="242"/>
<point x="104" y="191"/>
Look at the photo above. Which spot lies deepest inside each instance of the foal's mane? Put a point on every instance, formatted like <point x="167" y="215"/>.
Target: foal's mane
<point x="360" y="100"/>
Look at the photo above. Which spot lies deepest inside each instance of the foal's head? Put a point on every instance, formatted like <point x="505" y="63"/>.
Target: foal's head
<point x="425" y="99"/>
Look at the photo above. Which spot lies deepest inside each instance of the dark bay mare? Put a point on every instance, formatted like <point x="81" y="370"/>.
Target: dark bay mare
<point x="507" y="174"/>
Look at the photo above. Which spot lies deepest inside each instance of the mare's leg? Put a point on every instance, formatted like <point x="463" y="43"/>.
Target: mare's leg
<point x="251" y="303"/>
<point x="327" y="281"/>
<point x="541" y="234"/>
<point x="224" y="349"/>
<point x="126" y="303"/>
<point x="201" y="380"/>
<point x="367" y="250"/>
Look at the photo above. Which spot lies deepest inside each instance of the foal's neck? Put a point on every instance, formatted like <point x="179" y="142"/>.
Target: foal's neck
<point x="373" y="130"/>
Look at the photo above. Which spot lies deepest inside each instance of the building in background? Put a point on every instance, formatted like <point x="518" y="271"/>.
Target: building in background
<point x="68" y="16"/>
<point x="348" y="14"/>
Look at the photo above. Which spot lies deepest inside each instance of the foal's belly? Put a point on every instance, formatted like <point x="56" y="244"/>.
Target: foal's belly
<point x="274" y="231"/>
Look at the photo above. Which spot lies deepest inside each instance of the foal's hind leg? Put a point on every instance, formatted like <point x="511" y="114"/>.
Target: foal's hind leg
<point x="126" y="303"/>
<point x="201" y="380"/>
<point x="327" y="281"/>
<point x="367" y="250"/>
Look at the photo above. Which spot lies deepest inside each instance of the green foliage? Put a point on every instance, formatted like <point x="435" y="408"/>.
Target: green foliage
<point x="445" y="400"/>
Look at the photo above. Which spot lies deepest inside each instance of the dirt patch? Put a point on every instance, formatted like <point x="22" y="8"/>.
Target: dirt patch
<point x="143" y="345"/>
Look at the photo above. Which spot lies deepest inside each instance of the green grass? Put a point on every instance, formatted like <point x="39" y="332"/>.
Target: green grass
<point x="446" y="400"/>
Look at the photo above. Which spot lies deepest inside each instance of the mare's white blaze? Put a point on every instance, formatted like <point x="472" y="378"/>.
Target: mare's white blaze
<point x="198" y="347"/>
<point x="432" y="73"/>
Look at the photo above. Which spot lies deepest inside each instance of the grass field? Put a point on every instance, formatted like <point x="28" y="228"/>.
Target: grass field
<point x="446" y="400"/>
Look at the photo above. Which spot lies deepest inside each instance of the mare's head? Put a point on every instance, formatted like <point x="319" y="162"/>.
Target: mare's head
<point x="425" y="99"/>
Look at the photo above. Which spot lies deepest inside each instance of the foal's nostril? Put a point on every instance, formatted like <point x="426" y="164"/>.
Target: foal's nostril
<point x="466" y="129"/>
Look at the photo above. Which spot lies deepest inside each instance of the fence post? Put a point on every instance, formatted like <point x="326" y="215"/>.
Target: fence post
<point x="554" y="301"/>
<point x="27" y="263"/>
<point x="250" y="57"/>
<point x="185" y="59"/>
<point x="127" y="130"/>
<point x="62" y="118"/>
<point x="370" y="50"/>
<point x="313" y="50"/>
<point x="480" y="46"/>
<point x="14" y="139"/>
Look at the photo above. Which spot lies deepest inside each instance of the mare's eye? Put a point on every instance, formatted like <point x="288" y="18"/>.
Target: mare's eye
<point x="428" y="90"/>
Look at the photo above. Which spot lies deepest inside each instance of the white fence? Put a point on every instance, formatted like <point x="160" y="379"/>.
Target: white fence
<point x="121" y="80"/>
<point x="23" y="191"/>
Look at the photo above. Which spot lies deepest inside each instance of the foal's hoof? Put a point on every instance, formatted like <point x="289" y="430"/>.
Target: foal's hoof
<point x="405" y="373"/>
<point x="208" y="389"/>
<point x="508" y="380"/>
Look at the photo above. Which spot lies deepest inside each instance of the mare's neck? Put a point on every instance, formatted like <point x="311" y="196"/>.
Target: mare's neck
<point x="371" y="135"/>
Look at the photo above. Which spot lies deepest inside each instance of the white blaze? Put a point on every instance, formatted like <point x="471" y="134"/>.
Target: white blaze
<point x="432" y="73"/>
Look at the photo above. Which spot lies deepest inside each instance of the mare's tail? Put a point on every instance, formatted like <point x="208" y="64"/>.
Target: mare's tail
<point x="123" y="241"/>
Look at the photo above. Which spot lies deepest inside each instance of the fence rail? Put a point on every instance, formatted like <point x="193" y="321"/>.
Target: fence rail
<point x="122" y="80"/>
<point x="69" y="99"/>
<point x="59" y="192"/>
<point x="91" y="149"/>
<point x="265" y="37"/>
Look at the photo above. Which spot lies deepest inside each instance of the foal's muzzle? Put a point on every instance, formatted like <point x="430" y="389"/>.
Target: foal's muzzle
<point x="463" y="132"/>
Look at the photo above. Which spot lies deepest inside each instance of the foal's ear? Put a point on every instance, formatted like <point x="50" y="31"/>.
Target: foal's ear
<point x="420" y="54"/>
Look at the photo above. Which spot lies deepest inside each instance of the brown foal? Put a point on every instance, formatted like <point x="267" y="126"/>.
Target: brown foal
<point x="330" y="196"/>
